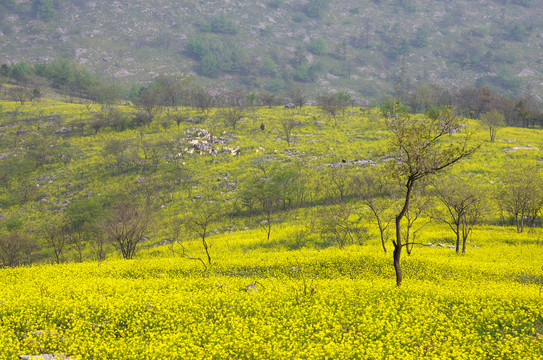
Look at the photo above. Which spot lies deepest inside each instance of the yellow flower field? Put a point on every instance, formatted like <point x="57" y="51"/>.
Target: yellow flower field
<point x="308" y="304"/>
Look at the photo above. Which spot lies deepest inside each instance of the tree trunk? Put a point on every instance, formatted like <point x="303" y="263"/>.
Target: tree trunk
<point x="207" y="251"/>
<point x="397" y="252"/>
<point x="457" y="237"/>
<point x="465" y="234"/>
<point x="398" y="242"/>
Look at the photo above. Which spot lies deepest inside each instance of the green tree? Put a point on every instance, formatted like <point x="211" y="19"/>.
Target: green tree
<point x="316" y="8"/>
<point x="287" y="125"/>
<point x="231" y="116"/>
<point x="61" y="73"/>
<point x="20" y="71"/>
<point x="197" y="47"/>
<point x="494" y="120"/>
<point x="8" y="4"/>
<point x="272" y="187"/>
<point x="44" y="9"/>
<point x="209" y="66"/>
<point x="318" y="46"/>
<point x="421" y="147"/>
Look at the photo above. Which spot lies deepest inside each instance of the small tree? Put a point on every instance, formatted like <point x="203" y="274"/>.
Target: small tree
<point x="521" y="195"/>
<point x="330" y="104"/>
<point x="287" y="125"/>
<point x="316" y="8"/>
<point x="55" y="235"/>
<point x="176" y="227"/>
<point x="14" y="247"/>
<point x="20" y="94"/>
<point x="266" y="98"/>
<point x="267" y="189"/>
<point x="201" y="99"/>
<point x="342" y="225"/>
<point x="126" y="226"/>
<point x="81" y="214"/>
<point x="298" y="96"/>
<point x="232" y="115"/>
<point x="463" y="207"/>
<point x="374" y="191"/>
<point x="336" y="181"/>
<point x="420" y="147"/>
<point x="420" y="203"/>
<point x="199" y="223"/>
<point x="493" y="120"/>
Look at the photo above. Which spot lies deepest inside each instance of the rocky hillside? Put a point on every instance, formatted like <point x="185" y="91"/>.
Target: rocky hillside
<point x="359" y="46"/>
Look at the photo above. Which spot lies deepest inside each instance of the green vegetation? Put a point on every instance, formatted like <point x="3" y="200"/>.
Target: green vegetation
<point x="195" y="211"/>
<point x="358" y="48"/>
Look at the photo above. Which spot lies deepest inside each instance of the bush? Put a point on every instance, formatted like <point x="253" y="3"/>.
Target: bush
<point x="209" y="66"/>
<point x="316" y="8"/>
<point x="318" y="46"/>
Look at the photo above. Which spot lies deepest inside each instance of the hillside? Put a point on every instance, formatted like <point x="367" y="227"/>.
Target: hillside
<point x="361" y="47"/>
<point x="61" y="159"/>
<point x="256" y="243"/>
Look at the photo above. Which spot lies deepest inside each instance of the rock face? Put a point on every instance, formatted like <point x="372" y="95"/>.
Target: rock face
<point x="290" y="106"/>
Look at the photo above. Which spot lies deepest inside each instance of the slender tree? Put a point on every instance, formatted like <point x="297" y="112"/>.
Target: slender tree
<point x="420" y="147"/>
<point x="493" y="120"/>
<point x="199" y="223"/>
<point x="374" y="191"/>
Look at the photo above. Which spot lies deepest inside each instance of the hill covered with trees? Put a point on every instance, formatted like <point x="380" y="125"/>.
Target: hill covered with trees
<point x="358" y="47"/>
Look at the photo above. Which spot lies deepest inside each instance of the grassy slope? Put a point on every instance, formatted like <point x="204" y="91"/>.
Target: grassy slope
<point x="312" y="302"/>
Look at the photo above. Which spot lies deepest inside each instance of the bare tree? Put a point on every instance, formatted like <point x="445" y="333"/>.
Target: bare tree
<point x="463" y="207"/>
<point x="176" y="234"/>
<point x="419" y="205"/>
<point x="266" y="98"/>
<point x="298" y="95"/>
<point x="232" y="115"/>
<point x="55" y="235"/>
<point x="342" y="225"/>
<point x="521" y="195"/>
<point x="375" y="193"/>
<point x="199" y="223"/>
<point x="337" y="181"/>
<point x="126" y="226"/>
<point x="201" y="99"/>
<point x="420" y="147"/>
<point x="14" y="247"/>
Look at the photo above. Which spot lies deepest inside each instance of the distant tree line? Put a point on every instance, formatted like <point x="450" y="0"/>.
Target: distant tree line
<point x="472" y="102"/>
